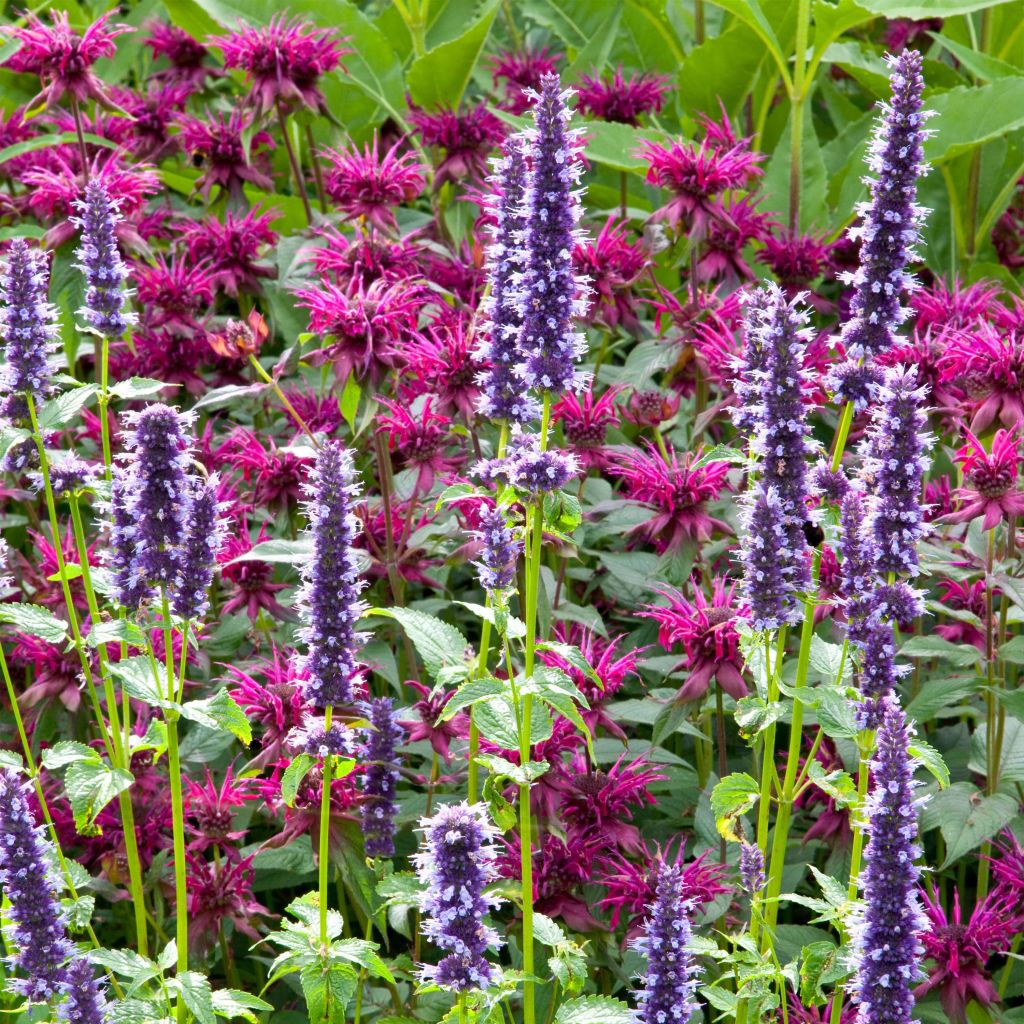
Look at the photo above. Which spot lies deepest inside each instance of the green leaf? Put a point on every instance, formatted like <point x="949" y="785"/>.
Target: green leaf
<point x="927" y="8"/>
<point x="1013" y="651"/>
<point x="115" y="631"/>
<point x="348" y="404"/>
<point x="507" y="625"/>
<point x="547" y="931"/>
<point x="364" y="953"/>
<point x="65" y="752"/>
<point x="837" y="784"/>
<point x="60" y="411"/>
<point x="327" y="991"/>
<point x="195" y="991"/>
<point x="730" y="800"/>
<point x="750" y="12"/>
<point x="47" y="140"/>
<point x="721" y="453"/>
<point x="979" y="64"/>
<point x="933" y="646"/>
<point x="231" y="1003"/>
<point x="90" y="787"/>
<point x="436" y="642"/>
<point x="818" y="962"/>
<point x="594" y="54"/>
<point x="78" y="911"/>
<point x="827" y="659"/>
<point x="138" y="680"/>
<point x="35" y="621"/>
<point x="456" y="492"/>
<point x="754" y="714"/>
<point x="931" y="759"/>
<point x="967" y="817"/>
<point x="287" y="552"/>
<point x="439" y="78"/>
<point x="1011" y="751"/>
<point x="835" y="714"/>
<point x="472" y="692"/>
<point x="573" y="656"/>
<point x="219" y="712"/>
<point x="937" y="694"/>
<point x="496" y="719"/>
<point x="139" y="387"/>
<point x="293" y="775"/>
<point x="969" y="115"/>
<point x="594" y="1010"/>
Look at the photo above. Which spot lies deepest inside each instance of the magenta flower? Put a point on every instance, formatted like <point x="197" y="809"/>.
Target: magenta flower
<point x="369" y="185"/>
<point x="800" y="1014"/>
<point x="678" y="493"/>
<point x="617" y="98"/>
<point x="964" y="597"/>
<point x="275" y="476"/>
<point x="729" y="232"/>
<point x="797" y="261"/>
<point x="585" y="423"/>
<point x="153" y="115"/>
<point x="442" y="362"/>
<point x="988" y="363"/>
<point x="990" y="480"/>
<point x="418" y="440"/>
<point x="61" y="59"/>
<point x="428" y="727"/>
<point x="252" y="580"/>
<point x="939" y="308"/>
<point x="360" y="261"/>
<point x="709" y="635"/>
<point x="174" y="290"/>
<point x="231" y="247"/>
<point x="612" y="265"/>
<point x="187" y="56"/>
<point x="210" y="811"/>
<point x="220" y="894"/>
<point x="276" y="705"/>
<point x="217" y="143"/>
<point x="521" y="72"/>
<point x="283" y="61"/>
<point x="467" y="139"/>
<point x="651" y="408"/>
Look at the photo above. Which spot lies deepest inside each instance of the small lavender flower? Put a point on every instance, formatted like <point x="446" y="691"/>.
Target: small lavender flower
<point x="769" y="563"/>
<point x="527" y="468"/>
<point x="891" y="221"/>
<point x="313" y="739"/>
<point x="28" y="325"/>
<point x="751" y="363"/>
<point x="503" y="394"/>
<point x="68" y="475"/>
<point x="858" y="577"/>
<point x="203" y="536"/>
<point x="379" y="781"/>
<point x="887" y="950"/>
<point x="553" y="295"/>
<point x="331" y="583"/>
<point x="894" y="463"/>
<point x="670" y="980"/>
<point x="877" y="673"/>
<point x="100" y="261"/>
<point x="830" y="484"/>
<point x="854" y="382"/>
<point x="156" y="492"/>
<point x="130" y="586"/>
<point x="499" y="551"/>
<point x="22" y="455"/>
<point x="85" y="1002"/>
<point x="455" y="864"/>
<point x="36" y="935"/>
<point x="752" y="868"/>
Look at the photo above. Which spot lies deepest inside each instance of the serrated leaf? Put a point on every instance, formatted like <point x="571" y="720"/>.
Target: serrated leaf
<point x="931" y="759"/>
<point x="967" y="817"/>
<point x="594" y="1010"/>
<point x="35" y="621"/>
<point x="285" y="552"/>
<point x="327" y="991"/>
<point x="754" y="714"/>
<point x="835" y="714"/>
<point x="196" y="993"/>
<point x="730" y="800"/>
<point x="721" y="453"/>
<point x="507" y="625"/>
<point x="219" y="712"/>
<point x="573" y="656"/>
<point x="232" y="1003"/>
<point x="437" y="643"/>
<point x="471" y="693"/>
<point x="115" y="631"/>
<point x="293" y="775"/>
<point x="65" y="752"/>
<point x="139" y="387"/>
<point x="139" y="682"/>
<point x="838" y="784"/>
<point x="934" y="646"/>
<point x="90" y="787"/>
<point x="60" y="411"/>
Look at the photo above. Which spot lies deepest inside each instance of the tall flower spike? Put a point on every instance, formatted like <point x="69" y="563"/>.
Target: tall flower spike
<point x="670" y="980"/>
<point x="100" y="260"/>
<point x="499" y="551"/>
<point x="36" y="935"/>
<point x="379" y="780"/>
<point x="769" y="564"/>
<point x="204" y="534"/>
<point x="331" y="583"/>
<point x="894" y="463"/>
<point x="890" y="222"/>
<point x="553" y="295"/>
<point x="28" y="325"/>
<point x="887" y="948"/>
<point x="130" y="586"/>
<point x="750" y="364"/>
<point x="858" y="574"/>
<point x="85" y="1003"/>
<point x="503" y="396"/>
<point x="456" y="863"/>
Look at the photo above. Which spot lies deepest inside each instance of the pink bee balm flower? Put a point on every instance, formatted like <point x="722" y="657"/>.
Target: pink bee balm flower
<point x="418" y="440"/>
<point x="735" y="226"/>
<point x="617" y="98"/>
<point x="967" y="598"/>
<point x="252" y="580"/>
<point x="187" y="56"/>
<point x="709" y="635"/>
<point x="467" y="138"/>
<point x="678" y="492"/>
<point x="428" y="726"/>
<point x="612" y="265"/>
<point x="988" y="363"/>
<point x="366" y="184"/>
<point x="283" y="60"/>
<point x="442" y="362"/>
<point x="521" y="71"/>
<point x="990" y="480"/>
<point x="62" y="59"/>
<point x="210" y="811"/>
<point x="218" y="142"/>
<point x="232" y="246"/>
<point x="797" y="261"/>
<point x="219" y="893"/>
<point x="585" y="422"/>
<point x="940" y="307"/>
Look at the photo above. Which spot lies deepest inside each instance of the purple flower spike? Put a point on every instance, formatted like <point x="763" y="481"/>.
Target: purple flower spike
<point x="752" y="868"/>
<point x="499" y="552"/>
<point x="85" y="1003"/>
<point x="769" y="563"/>
<point x="204" y="534"/>
<point x="131" y="587"/>
<point x="750" y="364"/>
<point x="28" y="325"/>
<point x="890" y="222"/>
<point x="100" y="260"/>
<point x="313" y="739"/>
<point x="670" y="980"/>
<point x="887" y="948"/>
<point x="379" y="780"/>
<point x="36" y="935"/>
<point x="858" y="576"/>
<point x="552" y="293"/>
<point x="894" y="463"/>
<point x="331" y="583"/>
<point x="456" y="863"/>
<point x="503" y="394"/>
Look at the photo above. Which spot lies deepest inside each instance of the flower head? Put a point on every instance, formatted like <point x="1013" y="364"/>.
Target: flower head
<point x="990" y="489"/>
<point x="441" y="362"/>
<point x="612" y="264"/>
<point x="467" y="138"/>
<point x="987" y="361"/>
<point x="499" y="551"/>
<point x="521" y="72"/>
<point x="252" y="579"/>
<point x="371" y="185"/>
<point x="379" y="781"/>
<point x="187" y="56"/>
<point x="230" y="246"/>
<point x="220" y="893"/>
<point x="419" y="440"/>
<point x="621" y="99"/>
<point x="203" y="536"/>
<point x="429" y="725"/>
<point x="585" y="422"/>
<point x="218" y="144"/>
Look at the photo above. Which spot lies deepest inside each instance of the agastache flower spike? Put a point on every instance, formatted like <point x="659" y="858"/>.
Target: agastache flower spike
<point x="100" y="261"/>
<point x="331" y="583"/>
<point x="27" y="326"/>
<point x="891" y="220"/>
<point x="670" y="980"/>
<point x="499" y="552"/>
<point x="887" y="948"/>
<point x="456" y="863"/>
<point x="85" y="1002"/>
<point x="769" y="564"/>
<point x="752" y="868"/>
<point x="552" y="293"/>
<point x="379" y="780"/>
<point x="503" y="396"/>
<point x="130" y="586"/>
<point x="204" y="534"/>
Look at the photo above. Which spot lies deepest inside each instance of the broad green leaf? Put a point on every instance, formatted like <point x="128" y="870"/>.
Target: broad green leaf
<point x="721" y="453"/>
<point x="594" y="1010"/>
<point x="721" y="70"/>
<point x="138" y="680"/>
<point x="514" y="629"/>
<point x="327" y="990"/>
<point x="573" y="656"/>
<point x="115" y="631"/>
<point x="232" y="1003"/>
<point x="934" y="646"/>
<point x="286" y="552"/>
<point x="219" y="712"/>
<point x="835" y="714"/>
<point x="928" y="8"/>
<point x="1013" y="651"/>
<point x="1011" y="751"/>
<point x="751" y="13"/>
<point x="65" y="752"/>
<point x="348" y="404"/>
<point x="969" y="115"/>
<point x="471" y="692"/>
<point x="496" y="720"/>
<point x="60" y="411"/>
<point x="979" y="64"/>
<point x="730" y="800"/>
<point x="35" y="621"/>
<point x="754" y="714"/>
<point x="827" y="659"/>
<point x="90" y="787"/>
<point x="967" y="817"/>
<point x="593" y="56"/>
<point x="436" y="642"/>
<point x="931" y="759"/>
<point x="837" y="784"/>
<point x="195" y="991"/>
<point x="364" y="953"/>
<point x="297" y="770"/>
<point x="139" y="387"/>
<point x="937" y="694"/>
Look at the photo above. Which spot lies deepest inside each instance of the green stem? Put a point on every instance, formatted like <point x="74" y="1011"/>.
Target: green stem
<point x="293" y="160"/>
<point x="698" y="22"/>
<point x="103" y="401"/>
<point x="798" y="97"/>
<point x="292" y="411"/>
<point x="842" y="433"/>
<point x="325" y="830"/>
<point x="472" y="781"/>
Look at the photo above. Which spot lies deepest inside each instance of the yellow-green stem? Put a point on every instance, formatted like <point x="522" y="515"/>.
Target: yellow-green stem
<point x="798" y="97"/>
<point x="325" y="830"/>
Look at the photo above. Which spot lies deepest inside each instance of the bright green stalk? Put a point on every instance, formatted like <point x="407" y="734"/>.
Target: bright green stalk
<point x="325" y="822"/>
<point x="103" y="400"/>
<point x="798" y="98"/>
<point x="472" y="781"/>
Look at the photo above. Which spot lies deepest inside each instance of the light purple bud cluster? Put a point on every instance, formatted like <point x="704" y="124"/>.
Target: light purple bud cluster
<point x="553" y="295"/>
<point x="887" y="950"/>
<point x="670" y="981"/>
<point x="331" y="584"/>
<point x="752" y="868"/>
<point x="830" y="484"/>
<point x="894" y="461"/>
<point x="890" y="222"/>
<point x="528" y="469"/>
<point x="314" y="739"/>
<point x="455" y="865"/>
<point x="379" y="780"/>
<point x="749" y="365"/>
<point x="499" y="551"/>
<point x="204" y="534"/>
<point x="68" y="475"/>
<point x="856" y="383"/>
<point x="858" y="574"/>
<point x="771" y="568"/>
<point x="131" y="587"/>
<point x="503" y="395"/>
<point x="28" y="325"/>
<point x="85" y="1002"/>
<point x="100" y="261"/>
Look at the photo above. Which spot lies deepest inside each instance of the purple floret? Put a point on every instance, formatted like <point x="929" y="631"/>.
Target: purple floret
<point x="499" y="551"/>
<point x="204" y="532"/>
<point x="379" y="780"/>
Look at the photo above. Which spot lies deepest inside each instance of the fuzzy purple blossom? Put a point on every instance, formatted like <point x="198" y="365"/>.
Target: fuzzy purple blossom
<point x="36" y="936"/>
<point x="68" y="475"/>
<point x="887" y="948"/>
<point x="553" y="295"/>
<point x="85" y="1002"/>
<point x="752" y="868"/>
<point x="877" y="672"/>
<point x="894" y="462"/>
<point x="456" y="863"/>
<point x="750" y="363"/>
<point x="856" y="383"/>
<point x="499" y="551"/>
<point x="769" y="562"/>
<point x="28" y="325"/>
<point x="130" y="586"/>
<point x="331" y="583"/>
<point x="503" y="395"/>
<point x="527" y="468"/>
<point x="670" y="980"/>
<point x="831" y="485"/>
<point x="318" y="740"/>
<point x="857" y="573"/>
<point x="100" y="260"/>
<point x="890" y="222"/>
<point x="203" y="537"/>
<point x="379" y="781"/>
